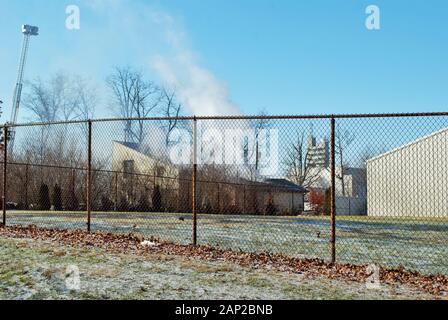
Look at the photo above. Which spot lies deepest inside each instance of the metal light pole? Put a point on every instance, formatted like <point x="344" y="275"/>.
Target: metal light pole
<point x="27" y="31"/>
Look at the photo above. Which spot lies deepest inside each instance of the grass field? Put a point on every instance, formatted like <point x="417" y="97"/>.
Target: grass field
<point x="417" y="244"/>
<point x="37" y="269"/>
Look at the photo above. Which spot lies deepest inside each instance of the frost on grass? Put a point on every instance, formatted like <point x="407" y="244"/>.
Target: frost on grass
<point x="36" y="269"/>
<point x="418" y="245"/>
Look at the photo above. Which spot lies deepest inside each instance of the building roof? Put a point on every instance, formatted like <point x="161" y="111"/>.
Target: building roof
<point x="285" y="184"/>
<point x="407" y="145"/>
<point x="144" y="151"/>
<point x="130" y="145"/>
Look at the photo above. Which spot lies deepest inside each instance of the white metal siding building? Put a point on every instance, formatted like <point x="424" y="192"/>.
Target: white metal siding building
<point x="410" y="181"/>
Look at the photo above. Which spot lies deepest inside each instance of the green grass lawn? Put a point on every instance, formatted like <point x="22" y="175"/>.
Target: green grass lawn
<point x="37" y="269"/>
<point x="417" y="244"/>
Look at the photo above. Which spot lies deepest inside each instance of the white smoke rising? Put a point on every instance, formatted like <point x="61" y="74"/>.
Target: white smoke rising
<point x="197" y="88"/>
<point x="149" y="35"/>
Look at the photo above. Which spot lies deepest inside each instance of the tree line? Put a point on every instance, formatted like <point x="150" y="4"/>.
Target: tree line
<point x="65" y="97"/>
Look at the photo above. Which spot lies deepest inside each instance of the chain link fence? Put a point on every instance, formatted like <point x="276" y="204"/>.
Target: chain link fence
<point x="348" y="188"/>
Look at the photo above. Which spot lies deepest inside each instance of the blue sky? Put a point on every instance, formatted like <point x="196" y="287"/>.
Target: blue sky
<point x="287" y="57"/>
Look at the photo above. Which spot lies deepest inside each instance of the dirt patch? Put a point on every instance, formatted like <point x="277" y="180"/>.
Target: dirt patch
<point x="436" y="285"/>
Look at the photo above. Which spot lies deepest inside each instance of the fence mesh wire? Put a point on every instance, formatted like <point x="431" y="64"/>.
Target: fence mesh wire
<point x="136" y="186"/>
<point x="46" y="184"/>
<point x="253" y="175"/>
<point x="398" y="167"/>
<point x="262" y="183"/>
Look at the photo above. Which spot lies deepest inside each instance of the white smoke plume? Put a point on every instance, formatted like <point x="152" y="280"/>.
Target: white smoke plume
<point x="158" y="35"/>
<point x="197" y="88"/>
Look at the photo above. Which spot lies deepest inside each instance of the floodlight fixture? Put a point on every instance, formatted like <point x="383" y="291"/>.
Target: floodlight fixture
<point x="30" y="30"/>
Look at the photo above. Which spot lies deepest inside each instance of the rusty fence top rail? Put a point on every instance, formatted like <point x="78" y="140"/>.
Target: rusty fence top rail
<point x="239" y="117"/>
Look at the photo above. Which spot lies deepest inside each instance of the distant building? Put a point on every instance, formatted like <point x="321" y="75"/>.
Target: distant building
<point x="410" y="181"/>
<point x="217" y="190"/>
<point x="318" y="153"/>
<point x="352" y="183"/>
<point x="351" y="189"/>
<point x="141" y="172"/>
<point x="287" y="195"/>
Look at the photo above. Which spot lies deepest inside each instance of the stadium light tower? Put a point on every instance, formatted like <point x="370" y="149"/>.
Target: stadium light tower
<point x="27" y="31"/>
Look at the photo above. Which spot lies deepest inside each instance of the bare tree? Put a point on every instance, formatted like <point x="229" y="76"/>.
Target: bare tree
<point x="41" y="101"/>
<point x="135" y="98"/>
<point x="85" y="98"/>
<point x="343" y="140"/>
<point x="62" y="97"/>
<point x="299" y="166"/>
<point x="253" y="152"/>
<point x="171" y="109"/>
<point x="366" y="154"/>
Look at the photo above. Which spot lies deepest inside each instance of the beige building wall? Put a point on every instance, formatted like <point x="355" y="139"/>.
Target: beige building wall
<point x="144" y="164"/>
<point x="411" y="181"/>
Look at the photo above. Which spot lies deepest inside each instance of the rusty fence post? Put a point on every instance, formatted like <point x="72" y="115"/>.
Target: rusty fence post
<point x="194" y="187"/>
<point x="89" y="175"/>
<point x="73" y="191"/>
<point x="26" y="185"/>
<point x="244" y="199"/>
<point x="116" y="192"/>
<point x="219" y="199"/>
<point x="5" y="160"/>
<point x="333" y="192"/>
